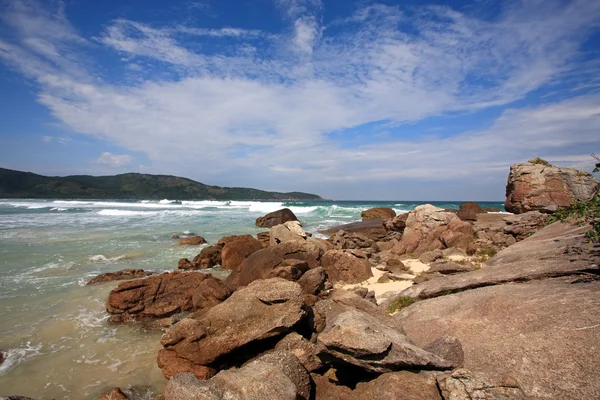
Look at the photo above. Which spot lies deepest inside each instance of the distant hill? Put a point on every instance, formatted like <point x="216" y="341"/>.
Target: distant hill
<point x="18" y="184"/>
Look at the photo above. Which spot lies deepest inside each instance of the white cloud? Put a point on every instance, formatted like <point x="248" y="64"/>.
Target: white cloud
<point x="284" y="100"/>
<point x="114" y="160"/>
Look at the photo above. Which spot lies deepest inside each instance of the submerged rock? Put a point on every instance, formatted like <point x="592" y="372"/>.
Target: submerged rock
<point x="191" y="241"/>
<point x="119" y="276"/>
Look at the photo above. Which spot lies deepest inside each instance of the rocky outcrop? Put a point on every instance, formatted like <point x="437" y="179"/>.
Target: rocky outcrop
<point x="348" y="266"/>
<point x="350" y="240"/>
<point x="276" y="375"/>
<point x="468" y="211"/>
<point x="291" y="230"/>
<point x="543" y="333"/>
<point x="208" y="258"/>
<point x="521" y="226"/>
<point x="276" y="218"/>
<point x="396" y="224"/>
<point x="430" y="228"/>
<point x="377" y="213"/>
<point x="264" y="238"/>
<point x="544" y="187"/>
<point x="448" y="267"/>
<point x="119" y="276"/>
<point x="558" y="249"/>
<point x="164" y="295"/>
<point x="301" y="348"/>
<point x="191" y="241"/>
<point x="489" y="231"/>
<point x="236" y="249"/>
<point x="403" y="385"/>
<point x="462" y="384"/>
<point x="262" y="310"/>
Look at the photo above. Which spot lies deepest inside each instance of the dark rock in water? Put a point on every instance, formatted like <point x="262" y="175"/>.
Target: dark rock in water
<point x="119" y="276"/>
<point x="377" y="213"/>
<point x="506" y="329"/>
<point x="403" y="385"/>
<point x="468" y="211"/>
<point x="346" y="266"/>
<point x="115" y="394"/>
<point x="449" y="348"/>
<point x="175" y="237"/>
<point x="276" y="218"/>
<point x="301" y="348"/>
<point x="184" y="263"/>
<point x="262" y="310"/>
<point x="191" y="241"/>
<point x="462" y="384"/>
<point x="544" y="187"/>
<point x="164" y="295"/>
<point x="276" y="375"/>
<point x="1" y="357"/>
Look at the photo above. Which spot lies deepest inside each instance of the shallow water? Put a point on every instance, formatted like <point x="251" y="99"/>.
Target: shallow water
<point x="53" y="328"/>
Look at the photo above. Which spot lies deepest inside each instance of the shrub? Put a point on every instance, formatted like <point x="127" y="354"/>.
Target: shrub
<point x="583" y="212"/>
<point x="540" y="161"/>
<point x="399" y="303"/>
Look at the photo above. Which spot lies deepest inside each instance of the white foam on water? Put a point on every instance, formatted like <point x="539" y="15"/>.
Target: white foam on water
<point x="100" y="258"/>
<point x="14" y="357"/>
<point x="500" y="212"/>
<point x="125" y="213"/>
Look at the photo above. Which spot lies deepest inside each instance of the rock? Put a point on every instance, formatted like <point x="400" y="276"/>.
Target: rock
<point x="431" y="256"/>
<point x="276" y="218"/>
<point x="191" y="241"/>
<point x="236" y="249"/>
<point x="427" y="276"/>
<point x="119" y="276"/>
<point x="1" y="357"/>
<point x="164" y="295"/>
<point x="264" y="309"/>
<point x="452" y="253"/>
<point x="184" y="263"/>
<point x="396" y="224"/>
<point x="115" y="394"/>
<point x="489" y="231"/>
<point x="468" y="211"/>
<point x="301" y="348"/>
<point x="264" y="238"/>
<point x="392" y="263"/>
<point x="176" y="236"/>
<point x="430" y="228"/>
<point x="491" y="209"/>
<point x="521" y="226"/>
<point x="350" y="240"/>
<point x="291" y="230"/>
<point x="276" y="375"/>
<point x="289" y="269"/>
<point x="15" y="398"/>
<point x="558" y="249"/>
<point x="403" y="385"/>
<point x="449" y="348"/>
<point x="171" y="364"/>
<point x="462" y="384"/>
<point x="533" y="186"/>
<point x="346" y="266"/>
<point x="448" y="267"/>
<point x="543" y="333"/>
<point x="365" y="227"/>
<point x="313" y="281"/>
<point x="208" y="257"/>
<point x="260" y="264"/>
<point x="326" y="390"/>
<point x="377" y="213"/>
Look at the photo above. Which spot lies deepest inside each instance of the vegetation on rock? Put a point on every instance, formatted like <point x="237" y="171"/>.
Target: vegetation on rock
<point x="399" y="303"/>
<point x="583" y="212"/>
<point x="540" y="161"/>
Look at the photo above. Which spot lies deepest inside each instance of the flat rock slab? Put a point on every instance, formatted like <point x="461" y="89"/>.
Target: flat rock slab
<point x="558" y="249"/>
<point x="369" y="225"/>
<point x="545" y="334"/>
<point x="119" y="276"/>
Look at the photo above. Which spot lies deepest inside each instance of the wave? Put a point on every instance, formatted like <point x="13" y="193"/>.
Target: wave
<point x="13" y="357"/>
<point x="103" y="259"/>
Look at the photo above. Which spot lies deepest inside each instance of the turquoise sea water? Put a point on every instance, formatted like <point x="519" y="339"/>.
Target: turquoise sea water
<point x="53" y="328"/>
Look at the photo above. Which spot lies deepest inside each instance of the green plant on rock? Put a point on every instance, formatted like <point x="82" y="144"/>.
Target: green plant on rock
<point x="540" y="161"/>
<point x="597" y="168"/>
<point x="399" y="303"/>
<point x="583" y="212"/>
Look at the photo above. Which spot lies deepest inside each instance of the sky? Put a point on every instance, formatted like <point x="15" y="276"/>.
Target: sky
<point x="355" y="100"/>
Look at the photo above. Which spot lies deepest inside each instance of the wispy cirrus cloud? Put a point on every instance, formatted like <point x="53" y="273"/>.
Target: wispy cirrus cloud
<point x="114" y="160"/>
<point x="290" y="99"/>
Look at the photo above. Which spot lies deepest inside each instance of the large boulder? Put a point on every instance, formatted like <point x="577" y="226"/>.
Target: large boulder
<point x="346" y="266"/>
<point x="164" y="295"/>
<point x="291" y="230"/>
<point x="377" y="213"/>
<point x="558" y="249"/>
<point x="276" y="375"/>
<point x="403" y="385"/>
<point x="468" y="211"/>
<point x="236" y="249"/>
<point x="430" y="228"/>
<point x="262" y="310"/>
<point x="396" y="224"/>
<point x="540" y="186"/>
<point x="207" y="258"/>
<point x="276" y="218"/>
<point x="122" y="275"/>
<point x="543" y="333"/>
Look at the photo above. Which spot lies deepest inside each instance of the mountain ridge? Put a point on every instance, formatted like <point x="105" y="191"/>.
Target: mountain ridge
<point x="132" y="185"/>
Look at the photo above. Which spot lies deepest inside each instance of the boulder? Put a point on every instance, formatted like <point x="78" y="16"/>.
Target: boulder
<point x="396" y="224"/>
<point x="291" y="230"/>
<point x="377" y="213"/>
<point x="392" y="263"/>
<point x="236" y="249"/>
<point x="262" y="310"/>
<point x="543" y="187"/>
<point x="347" y="266"/>
<point x="431" y="256"/>
<point x="276" y="218"/>
<point x="449" y="348"/>
<point x="125" y="274"/>
<point x="264" y="238"/>
<point x="403" y="385"/>
<point x="208" y="257"/>
<point x="1" y="358"/>
<point x="430" y="228"/>
<point x="327" y="390"/>
<point x="350" y="240"/>
<point x="301" y="348"/>
<point x="521" y="226"/>
<point x="543" y="333"/>
<point x="191" y="241"/>
<point x="171" y="364"/>
<point x="489" y="231"/>
<point x="468" y="211"/>
<point x="448" y="267"/>
<point x="364" y="227"/>
<point x="276" y="375"/>
<point x="164" y="295"/>
<point x="115" y="394"/>
<point x="260" y="265"/>
<point x="313" y="281"/>
<point x="184" y="263"/>
<point x="556" y="250"/>
<point x="463" y="384"/>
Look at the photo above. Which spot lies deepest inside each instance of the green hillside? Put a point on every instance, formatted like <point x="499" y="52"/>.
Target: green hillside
<point x="18" y="184"/>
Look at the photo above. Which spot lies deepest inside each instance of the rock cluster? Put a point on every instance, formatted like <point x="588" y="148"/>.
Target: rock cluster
<point x="119" y="276"/>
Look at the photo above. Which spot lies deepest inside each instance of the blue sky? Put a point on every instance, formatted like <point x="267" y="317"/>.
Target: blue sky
<point x="394" y="100"/>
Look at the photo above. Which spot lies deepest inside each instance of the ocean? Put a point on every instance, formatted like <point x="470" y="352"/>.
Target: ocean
<point x="53" y="328"/>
